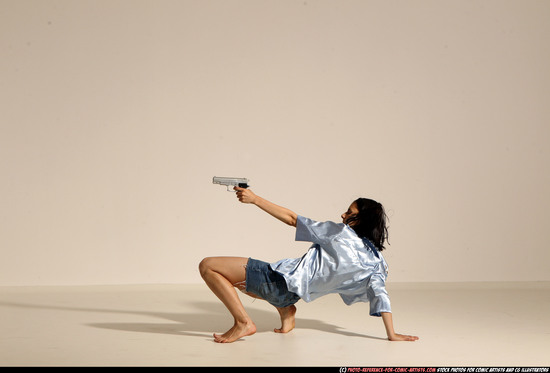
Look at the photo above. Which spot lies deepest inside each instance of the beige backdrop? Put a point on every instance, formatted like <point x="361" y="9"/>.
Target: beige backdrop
<point x="116" y="114"/>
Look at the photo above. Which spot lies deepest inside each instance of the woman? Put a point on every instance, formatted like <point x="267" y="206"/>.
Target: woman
<point x="344" y="259"/>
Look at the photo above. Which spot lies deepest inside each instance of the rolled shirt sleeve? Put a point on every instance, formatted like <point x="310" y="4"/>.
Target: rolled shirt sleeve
<point x="321" y="233"/>
<point x="378" y="296"/>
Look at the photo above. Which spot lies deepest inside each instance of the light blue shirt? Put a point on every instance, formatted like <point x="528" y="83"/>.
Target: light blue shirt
<point x="340" y="262"/>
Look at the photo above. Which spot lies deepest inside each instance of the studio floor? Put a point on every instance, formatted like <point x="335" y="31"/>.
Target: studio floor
<point x="459" y="324"/>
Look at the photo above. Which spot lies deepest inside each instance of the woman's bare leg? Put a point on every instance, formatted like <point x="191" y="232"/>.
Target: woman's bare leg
<point x="287" y="319"/>
<point x="221" y="274"/>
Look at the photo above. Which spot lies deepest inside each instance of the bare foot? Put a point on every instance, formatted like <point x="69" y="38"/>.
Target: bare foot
<point x="238" y="331"/>
<point x="287" y="319"/>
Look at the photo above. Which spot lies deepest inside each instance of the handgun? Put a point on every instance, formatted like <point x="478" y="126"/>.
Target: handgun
<point x="231" y="182"/>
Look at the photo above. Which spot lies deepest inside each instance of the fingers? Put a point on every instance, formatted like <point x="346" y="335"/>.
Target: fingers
<point x="241" y="194"/>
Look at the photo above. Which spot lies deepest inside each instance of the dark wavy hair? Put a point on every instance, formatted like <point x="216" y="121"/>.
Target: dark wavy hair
<point x="370" y="222"/>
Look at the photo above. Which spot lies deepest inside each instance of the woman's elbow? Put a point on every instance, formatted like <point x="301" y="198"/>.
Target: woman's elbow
<point x="292" y="219"/>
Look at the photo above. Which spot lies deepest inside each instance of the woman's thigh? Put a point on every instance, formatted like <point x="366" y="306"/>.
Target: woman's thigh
<point x="232" y="268"/>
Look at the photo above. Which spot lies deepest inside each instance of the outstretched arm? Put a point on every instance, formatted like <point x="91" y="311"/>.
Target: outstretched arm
<point x="283" y="214"/>
<point x="392" y="335"/>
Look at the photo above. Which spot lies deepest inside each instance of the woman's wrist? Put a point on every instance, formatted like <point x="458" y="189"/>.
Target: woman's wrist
<point x="257" y="201"/>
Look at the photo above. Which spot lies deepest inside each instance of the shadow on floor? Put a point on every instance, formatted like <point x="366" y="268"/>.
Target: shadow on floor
<point x="210" y="317"/>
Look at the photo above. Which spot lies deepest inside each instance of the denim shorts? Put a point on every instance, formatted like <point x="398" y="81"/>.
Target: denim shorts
<point x="268" y="284"/>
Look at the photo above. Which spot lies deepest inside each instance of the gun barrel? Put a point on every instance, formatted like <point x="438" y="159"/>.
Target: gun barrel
<point x="235" y="181"/>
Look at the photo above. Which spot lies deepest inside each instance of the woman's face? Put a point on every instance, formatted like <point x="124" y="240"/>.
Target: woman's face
<point x="352" y="211"/>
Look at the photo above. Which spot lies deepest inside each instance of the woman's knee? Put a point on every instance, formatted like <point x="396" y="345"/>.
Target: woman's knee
<point x="232" y="268"/>
<point x="205" y="265"/>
